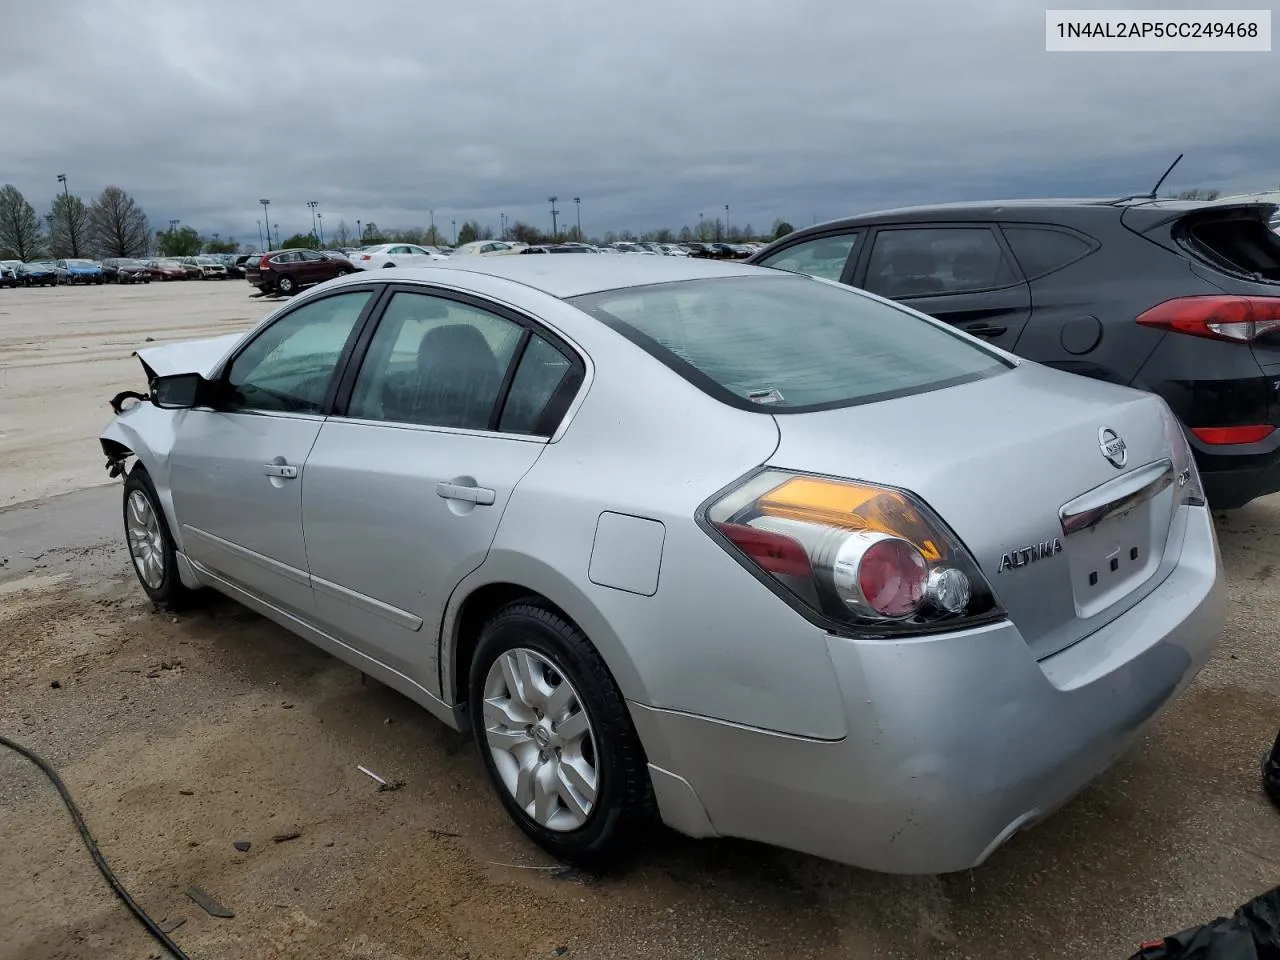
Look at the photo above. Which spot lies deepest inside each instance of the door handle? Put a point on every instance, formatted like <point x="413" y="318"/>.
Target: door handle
<point x="985" y="330"/>
<point x="481" y="496"/>
<point x="282" y="470"/>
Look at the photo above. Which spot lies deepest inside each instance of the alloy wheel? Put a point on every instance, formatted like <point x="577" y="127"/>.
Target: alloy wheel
<point x="541" y="739"/>
<point x="146" y="542"/>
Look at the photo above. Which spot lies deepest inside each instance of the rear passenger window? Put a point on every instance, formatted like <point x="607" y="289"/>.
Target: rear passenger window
<point x="1040" y="250"/>
<point x="824" y="257"/>
<point x="931" y="261"/>
<point x="435" y="362"/>
<point x="542" y="370"/>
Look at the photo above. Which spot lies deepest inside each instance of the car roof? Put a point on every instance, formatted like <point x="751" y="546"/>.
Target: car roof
<point x="566" y="277"/>
<point x="1022" y="208"/>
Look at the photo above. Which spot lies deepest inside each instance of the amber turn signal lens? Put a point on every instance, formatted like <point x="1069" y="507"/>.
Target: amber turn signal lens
<point x="850" y="506"/>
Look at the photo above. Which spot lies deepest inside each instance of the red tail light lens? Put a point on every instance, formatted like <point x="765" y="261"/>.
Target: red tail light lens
<point x="365" y="256"/>
<point x="854" y="554"/>
<point x="1244" y="434"/>
<point x="1238" y="319"/>
<point x="264" y="263"/>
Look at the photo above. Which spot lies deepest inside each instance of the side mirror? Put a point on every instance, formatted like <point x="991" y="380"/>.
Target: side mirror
<point x="179" y="391"/>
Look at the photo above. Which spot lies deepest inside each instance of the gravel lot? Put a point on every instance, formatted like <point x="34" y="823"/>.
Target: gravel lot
<point x="181" y="735"/>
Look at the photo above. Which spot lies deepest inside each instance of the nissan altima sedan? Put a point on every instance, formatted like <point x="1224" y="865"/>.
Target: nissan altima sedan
<point x="749" y="552"/>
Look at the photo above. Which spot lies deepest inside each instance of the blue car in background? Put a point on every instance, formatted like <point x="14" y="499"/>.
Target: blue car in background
<point x="80" y="271"/>
<point x="38" y="273"/>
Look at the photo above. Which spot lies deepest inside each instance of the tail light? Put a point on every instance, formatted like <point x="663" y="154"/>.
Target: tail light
<point x="264" y="263"/>
<point x="1247" y="433"/>
<point x="1188" y="487"/>
<point x="365" y="256"/>
<point x="1237" y="319"/>
<point x="855" y="554"/>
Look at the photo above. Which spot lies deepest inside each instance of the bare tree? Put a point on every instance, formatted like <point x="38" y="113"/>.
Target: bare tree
<point x="69" y="227"/>
<point x="342" y="236"/>
<point x="117" y="225"/>
<point x="19" y="225"/>
<point x="1199" y="193"/>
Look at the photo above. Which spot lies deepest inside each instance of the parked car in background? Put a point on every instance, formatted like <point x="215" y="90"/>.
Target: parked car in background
<point x="1178" y="297"/>
<point x="895" y="652"/>
<point x="285" y="272"/>
<point x="560" y="248"/>
<point x="208" y="268"/>
<point x="487" y="248"/>
<point x="74" y="270"/>
<point x="125" y="270"/>
<point x="394" y="255"/>
<point x="167" y="269"/>
<point x="9" y="273"/>
<point x="38" y="273"/>
<point x="673" y="250"/>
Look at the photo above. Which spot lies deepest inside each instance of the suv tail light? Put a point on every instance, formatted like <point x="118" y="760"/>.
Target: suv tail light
<point x="1238" y="319"/>
<point x="855" y="554"/>
<point x="264" y="263"/>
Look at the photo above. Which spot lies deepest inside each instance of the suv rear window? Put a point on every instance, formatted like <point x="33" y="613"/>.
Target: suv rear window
<point x="789" y="343"/>
<point x="1240" y="245"/>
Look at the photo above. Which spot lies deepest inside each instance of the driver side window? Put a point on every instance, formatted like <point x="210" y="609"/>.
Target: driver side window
<point x="289" y="366"/>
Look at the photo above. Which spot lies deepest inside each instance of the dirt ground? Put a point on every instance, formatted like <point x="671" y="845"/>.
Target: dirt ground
<point x="180" y="736"/>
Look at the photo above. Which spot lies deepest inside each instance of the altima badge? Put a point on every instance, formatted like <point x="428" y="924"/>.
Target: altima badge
<point x="1024" y="555"/>
<point x="1112" y="447"/>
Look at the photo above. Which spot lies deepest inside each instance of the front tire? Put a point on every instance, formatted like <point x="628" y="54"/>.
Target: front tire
<point x="151" y="548"/>
<point x="556" y="739"/>
<point x="286" y="286"/>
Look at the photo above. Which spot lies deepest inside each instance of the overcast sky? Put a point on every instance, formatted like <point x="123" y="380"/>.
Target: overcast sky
<point x="650" y="111"/>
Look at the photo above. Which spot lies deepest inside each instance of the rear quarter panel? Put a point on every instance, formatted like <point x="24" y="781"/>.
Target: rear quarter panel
<point x="711" y="640"/>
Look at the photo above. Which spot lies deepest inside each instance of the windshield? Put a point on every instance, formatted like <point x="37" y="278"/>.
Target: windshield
<point x="81" y="263"/>
<point x="789" y="343"/>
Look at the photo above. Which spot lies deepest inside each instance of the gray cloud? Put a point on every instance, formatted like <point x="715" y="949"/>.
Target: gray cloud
<point x="650" y="112"/>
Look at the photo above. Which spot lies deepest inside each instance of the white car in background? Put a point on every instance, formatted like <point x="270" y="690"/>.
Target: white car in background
<point x="488" y="248"/>
<point x="395" y="255"/>
<point x="671" y="250"/>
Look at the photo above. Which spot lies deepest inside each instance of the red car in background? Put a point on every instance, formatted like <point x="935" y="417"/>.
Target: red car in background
<point x="287" y="271"/>
<point x="166" y="270"/>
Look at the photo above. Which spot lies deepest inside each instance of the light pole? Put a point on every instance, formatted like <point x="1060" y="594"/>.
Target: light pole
<point x="577" y="203"/>
<point x="260" y="236"/>
<point x="554" y="213"/>
<point x="726" y="222"/>
<point x="320" y="218"/>
<point x="454" y="223"/>
<point x="359" y="235"/>
<point x="173" y="225"/>
<point x="71" y="221"/>
<point x="313" y="204"/>
<point x="266" y="218"/>
<point x="502" y="219"/>
<point x="277" y="234"/>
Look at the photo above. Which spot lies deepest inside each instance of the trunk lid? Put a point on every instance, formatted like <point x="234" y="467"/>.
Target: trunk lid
<point x="1003" y="461"/>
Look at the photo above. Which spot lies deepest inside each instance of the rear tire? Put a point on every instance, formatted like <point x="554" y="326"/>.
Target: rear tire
<point x="387" y="266"/>
<point x="556" y="739"/>
<point x="286" y="286"/>
<point x="151" y="548"/>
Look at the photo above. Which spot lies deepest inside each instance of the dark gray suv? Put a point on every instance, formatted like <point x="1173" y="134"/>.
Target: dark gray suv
<point x="1181" y="298"/>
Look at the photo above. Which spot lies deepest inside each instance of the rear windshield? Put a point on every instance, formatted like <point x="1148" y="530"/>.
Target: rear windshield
<point x="789" y="343"/>
<point x="1240" y="245"/>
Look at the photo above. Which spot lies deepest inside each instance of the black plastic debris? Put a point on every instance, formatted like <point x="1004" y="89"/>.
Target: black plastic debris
<point x="209" y="905"/>
<point x="1251" y="933"/>
<point x="1271" y="773"/>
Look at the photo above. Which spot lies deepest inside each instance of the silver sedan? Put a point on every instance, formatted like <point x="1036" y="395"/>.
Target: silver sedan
<point x="747" y="552"/>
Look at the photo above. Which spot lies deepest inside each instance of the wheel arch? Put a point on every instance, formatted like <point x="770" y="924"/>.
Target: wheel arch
<point x="145" y="432"/>
<point x="502" y="579"/>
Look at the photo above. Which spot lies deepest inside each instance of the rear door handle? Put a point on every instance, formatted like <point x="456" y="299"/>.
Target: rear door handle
<point x="481" y="496"/>
<point x="985" y="330"/>
<point x="282" y="470"/>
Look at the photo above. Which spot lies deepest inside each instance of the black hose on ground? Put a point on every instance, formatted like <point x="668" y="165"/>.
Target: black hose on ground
<point x="99" y="860"/>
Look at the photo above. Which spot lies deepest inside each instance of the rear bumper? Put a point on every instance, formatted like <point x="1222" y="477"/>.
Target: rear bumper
<point x="956" y="743"/>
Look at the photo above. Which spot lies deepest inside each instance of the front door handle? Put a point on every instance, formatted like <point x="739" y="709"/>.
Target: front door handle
<point x="282" y="470"/>
<point x="481" y="496"/>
